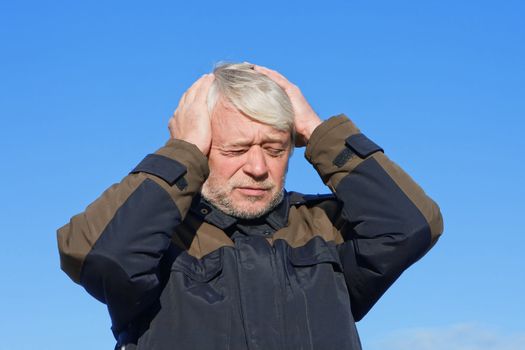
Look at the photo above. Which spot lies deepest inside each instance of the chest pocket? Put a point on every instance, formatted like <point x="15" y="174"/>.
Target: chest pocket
<point x="315" y="263"/>
<point x="318" y="297"/>
<point x="194" y="311"/>
<point x="200" y="276"/>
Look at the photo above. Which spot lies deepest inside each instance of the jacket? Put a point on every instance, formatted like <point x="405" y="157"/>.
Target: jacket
<point x="176" y="273"/>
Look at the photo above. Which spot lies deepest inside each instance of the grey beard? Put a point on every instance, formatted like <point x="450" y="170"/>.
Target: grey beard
<point x="222" y="202"/>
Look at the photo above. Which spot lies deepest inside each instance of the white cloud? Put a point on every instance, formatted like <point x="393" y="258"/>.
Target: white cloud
<point x="467" y="336"/>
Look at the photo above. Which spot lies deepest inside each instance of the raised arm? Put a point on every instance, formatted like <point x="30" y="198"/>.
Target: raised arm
<point x="388" y="222"/>
<point x="386" y="219"/>
<point x="114" y="247"/>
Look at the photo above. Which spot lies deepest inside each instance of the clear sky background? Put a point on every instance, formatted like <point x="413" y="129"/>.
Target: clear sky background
<point x="87" y="88"/>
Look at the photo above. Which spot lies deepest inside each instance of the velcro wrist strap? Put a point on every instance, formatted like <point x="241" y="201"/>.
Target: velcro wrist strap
<point x="166" y="168"/>
<point x="362" y="145"/>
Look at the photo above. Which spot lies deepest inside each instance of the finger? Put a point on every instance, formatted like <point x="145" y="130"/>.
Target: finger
<point x="201" y="94"/>
<point x="267" y="71"/>
<point x="171" y="122"/>
<point x="181" y="101"/>
<point x="190" y="93"/>
<point x="274" y="75"/>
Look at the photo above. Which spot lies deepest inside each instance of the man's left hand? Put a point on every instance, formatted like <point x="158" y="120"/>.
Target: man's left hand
<point x="305" y="120"/>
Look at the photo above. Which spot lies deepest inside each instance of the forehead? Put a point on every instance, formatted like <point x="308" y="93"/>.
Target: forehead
<point x="231" y="126"/>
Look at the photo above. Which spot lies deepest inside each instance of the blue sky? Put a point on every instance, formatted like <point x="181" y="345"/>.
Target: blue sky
<point x="87" y="89"/>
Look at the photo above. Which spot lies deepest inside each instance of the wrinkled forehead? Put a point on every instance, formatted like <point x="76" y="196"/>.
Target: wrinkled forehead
<point x="231" y="126"/>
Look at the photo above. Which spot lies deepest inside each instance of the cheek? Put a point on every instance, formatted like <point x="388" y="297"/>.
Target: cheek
<point x="224" y="167"/>
<point x="278" y="169"/>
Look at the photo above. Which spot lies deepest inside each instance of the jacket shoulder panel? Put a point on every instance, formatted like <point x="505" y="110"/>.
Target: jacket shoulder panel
<point x="311" y="216"/>
<point x="328" y="202"/>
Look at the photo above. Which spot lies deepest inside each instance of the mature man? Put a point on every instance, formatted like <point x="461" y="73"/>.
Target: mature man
<point x="200" y="247"/>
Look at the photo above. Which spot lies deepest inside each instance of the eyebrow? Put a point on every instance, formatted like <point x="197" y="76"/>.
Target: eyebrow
<point x="244" y="143"/>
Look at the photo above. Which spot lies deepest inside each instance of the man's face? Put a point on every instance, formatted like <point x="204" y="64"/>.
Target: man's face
<point x="248" y="162"/>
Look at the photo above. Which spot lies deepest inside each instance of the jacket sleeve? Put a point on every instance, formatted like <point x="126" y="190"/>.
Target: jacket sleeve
<point x="114" y="247"/>
<point x="387" y="221"/>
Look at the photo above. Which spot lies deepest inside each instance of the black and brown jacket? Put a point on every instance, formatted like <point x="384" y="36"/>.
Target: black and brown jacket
<point x="177" y="273"/>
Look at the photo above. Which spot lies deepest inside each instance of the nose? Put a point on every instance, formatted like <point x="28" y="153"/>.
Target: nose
<point x="255" y="165"/>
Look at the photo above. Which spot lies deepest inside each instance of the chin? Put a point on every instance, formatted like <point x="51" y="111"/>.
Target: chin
<point x="243" y="206"/>
<point x="252" y="205"/>
<point x="242" y="213"/>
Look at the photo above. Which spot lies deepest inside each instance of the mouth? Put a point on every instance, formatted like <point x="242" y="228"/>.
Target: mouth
<point x="252" y="191"/>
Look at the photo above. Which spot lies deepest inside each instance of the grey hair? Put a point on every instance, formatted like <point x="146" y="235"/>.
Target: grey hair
<point x="253" y="93"/>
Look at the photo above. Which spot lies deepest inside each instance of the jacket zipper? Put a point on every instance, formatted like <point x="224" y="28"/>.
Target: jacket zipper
<point x="279" y="292"/>
<point x="240" y="299"/>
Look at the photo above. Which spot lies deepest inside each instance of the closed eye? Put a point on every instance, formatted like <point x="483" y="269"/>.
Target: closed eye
<point x="275" y="152"/>
<point x="234" y="152"/>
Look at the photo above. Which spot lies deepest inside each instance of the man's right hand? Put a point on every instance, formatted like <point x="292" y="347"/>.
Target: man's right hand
<point x="191" y="121"/>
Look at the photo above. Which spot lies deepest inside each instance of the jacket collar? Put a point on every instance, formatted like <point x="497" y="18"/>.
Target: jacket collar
<point x="276" y="219"/>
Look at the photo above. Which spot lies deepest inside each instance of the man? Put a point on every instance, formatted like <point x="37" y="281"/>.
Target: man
<point x="200" y="247"/>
